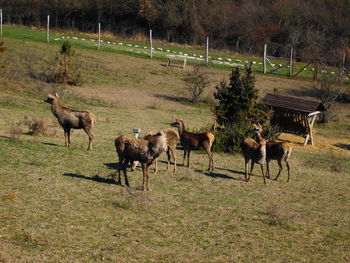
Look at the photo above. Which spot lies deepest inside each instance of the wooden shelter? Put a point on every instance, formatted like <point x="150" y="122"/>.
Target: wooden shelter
<point x="294" y="114"/>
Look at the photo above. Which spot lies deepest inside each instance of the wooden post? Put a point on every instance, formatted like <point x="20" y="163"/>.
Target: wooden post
<point x="316" y="71"/>
<point x="310" y="120"/>
<point x="48" y="29"/>
<point x="168" y="63"/>
<point x="1" y="22"/>
<point x="342" y="67"/>
<point x="99" y="36"/>
<point x="184" y="65"/>
<point x="207" y="52"/>
<point x="265" y="50"/>
<point x="151" y="42"/>
<point x="291" y="64"/>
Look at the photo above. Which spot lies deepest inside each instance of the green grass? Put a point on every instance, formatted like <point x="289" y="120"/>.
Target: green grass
<point x="66" y="206"/>
<point x="160" y="53"/>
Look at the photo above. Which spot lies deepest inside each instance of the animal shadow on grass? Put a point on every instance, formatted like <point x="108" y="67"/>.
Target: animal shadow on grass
<point x="111" y="165"/>
<point x="50" y="144"/>
<point x="96" y="178"/>
<point x="343" y="146"/>
<point x="172" y="98"/>
<point x="218" y="175"/>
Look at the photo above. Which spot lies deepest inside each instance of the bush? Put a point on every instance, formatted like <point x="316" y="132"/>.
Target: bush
<point x="229" y="139"/>
<point x="328" y="92"/>
<point x="236" y="110"/>
<point x="60" y="70"/>
<point x="195" y="83"/>
<point x="16" y="129"/>
<point x="35" y="126"/>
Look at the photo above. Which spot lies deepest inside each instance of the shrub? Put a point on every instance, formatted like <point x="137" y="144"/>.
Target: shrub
<point x="328" y="92"/>
<point x="16" y="129"/>
<point x="60" y="70"/>
<point x="35" y="126"/>
<point x="228" y="139"/>
<point x="195" y="83"/>
<point x="236" y="110"/>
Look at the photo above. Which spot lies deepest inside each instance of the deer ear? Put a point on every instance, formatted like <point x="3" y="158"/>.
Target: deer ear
<point x="57" y="95"/>
<point x="161" y="132"/>
<point x="259" y="125"/>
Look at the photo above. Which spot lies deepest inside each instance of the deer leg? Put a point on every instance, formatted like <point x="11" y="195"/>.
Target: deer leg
<point x="267" y="169"/>
<point x="169" y="157"/>
<point x="183" y="162"/>
<point x="287" y="164"/>
<point x="65" y="138"/>
<point x="119" y="168"/>
<point x="144" y="173"/>
<point x="246" y="161"/>
<point x="262" y="172"/>
<point x="280" y="166"/>
<point x="155" y="165"/>
<point x="68" y="135"/>
<point x="174" y="156"/>
<point x="147" y="177"/>
<point x="91" y="137"/>
<point x="251" y="167"/>
<point x="125" y="163"/>
<point x="211" y="160"/>
<point x="188" y="158"/>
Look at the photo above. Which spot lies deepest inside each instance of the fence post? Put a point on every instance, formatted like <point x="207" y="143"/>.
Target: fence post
<point x="341" y="67"/>
<point x="1" y="22"/>
<point x="207" y="52"/>
<point x="265" y="50"/>
<point x="48" y="29"/>
<point x="99" y="36"/>
<point x="151" y="42"/>
<point x="291" y="64"/>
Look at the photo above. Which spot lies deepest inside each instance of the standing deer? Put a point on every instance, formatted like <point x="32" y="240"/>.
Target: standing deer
<point x="256" y="152"/>
<point x="131" y="149"/>
<point x="172" y="138"/>
<point x="71" y="119"/>
<point x="279" y="151"/>
<point x="192" y="141"/>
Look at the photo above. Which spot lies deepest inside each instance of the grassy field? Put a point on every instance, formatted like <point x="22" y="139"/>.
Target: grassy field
<point x="62" y="205"/>
<point x="139" y="46"/>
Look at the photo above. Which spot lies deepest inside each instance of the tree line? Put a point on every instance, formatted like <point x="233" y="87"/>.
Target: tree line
<point x="318" y="29"/>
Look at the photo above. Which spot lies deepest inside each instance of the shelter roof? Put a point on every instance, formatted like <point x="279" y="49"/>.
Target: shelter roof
<point x="293" y="103"/>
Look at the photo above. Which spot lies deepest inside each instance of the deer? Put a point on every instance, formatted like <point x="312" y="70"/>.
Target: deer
<point x="71" y="119"/>
<point x="191" y="141"/>
<point x="279" y="151"/>
<point x="256" y="152"/>
<point x="131" y="149"/>
<point x="172" y="138"/>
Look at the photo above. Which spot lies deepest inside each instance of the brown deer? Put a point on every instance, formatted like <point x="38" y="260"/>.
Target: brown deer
<point x="256" y="152"/>
<point x="71" y="119"/>
<point x="172" y="138"/>
<point x="279" y="151"/>
<point x="131" y="149"/>
<point x="192" y="141"/>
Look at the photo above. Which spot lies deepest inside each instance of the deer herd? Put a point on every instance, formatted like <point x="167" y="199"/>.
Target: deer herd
<point x="146" y="150"/>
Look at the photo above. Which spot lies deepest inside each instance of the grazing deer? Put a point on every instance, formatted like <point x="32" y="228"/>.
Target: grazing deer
<point x="71" y="119"/>
<point x="256" y="152"/>
<point x="191" y="141"/>
<point x="131" y="149"/>
<point x="279" y="151"/>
